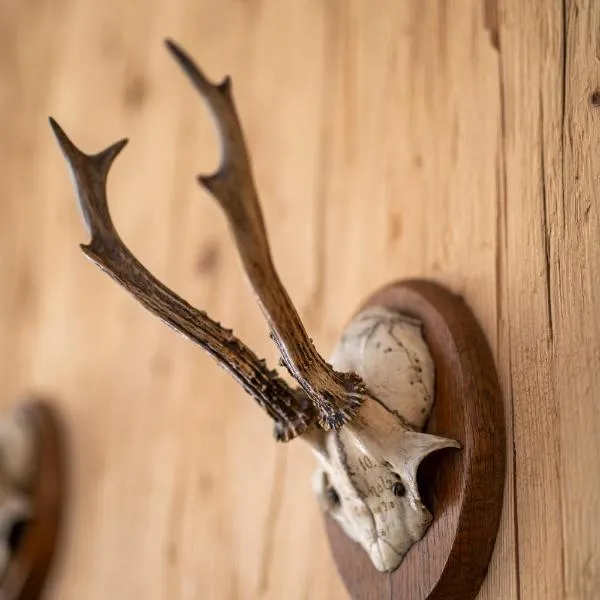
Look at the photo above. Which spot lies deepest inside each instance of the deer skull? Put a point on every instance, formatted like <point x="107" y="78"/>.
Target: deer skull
<point x="360" y="412"/>
<point x="367" y="474"/>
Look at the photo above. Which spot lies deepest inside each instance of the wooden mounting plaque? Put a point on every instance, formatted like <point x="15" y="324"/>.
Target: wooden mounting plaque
<point x="28" y="568"/>
<point x="462" y="489"/>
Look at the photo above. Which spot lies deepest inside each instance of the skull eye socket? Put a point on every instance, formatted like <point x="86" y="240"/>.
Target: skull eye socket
<point x="398" y="489"/>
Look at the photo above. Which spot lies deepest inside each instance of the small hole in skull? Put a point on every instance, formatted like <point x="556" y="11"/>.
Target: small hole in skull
<point x="17" y="531"/>
<point x="332" y="495"/>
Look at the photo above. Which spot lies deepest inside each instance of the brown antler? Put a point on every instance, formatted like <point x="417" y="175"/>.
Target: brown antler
<point x="291" y="411"/>
<point x="335" y="395"/>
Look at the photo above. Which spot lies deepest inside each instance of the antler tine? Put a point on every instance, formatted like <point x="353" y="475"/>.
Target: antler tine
<point x="337" y="396"/>
<point x="290" y="410"/>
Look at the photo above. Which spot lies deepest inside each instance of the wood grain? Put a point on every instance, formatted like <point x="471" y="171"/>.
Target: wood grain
<point x="462" y="489"/>
<point x="550" y="72"/>
<point x="401" y="141"/>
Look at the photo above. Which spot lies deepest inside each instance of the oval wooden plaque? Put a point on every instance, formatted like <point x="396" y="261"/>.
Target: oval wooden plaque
<point x="462" y="489"/>
<point x="28" y="568"/>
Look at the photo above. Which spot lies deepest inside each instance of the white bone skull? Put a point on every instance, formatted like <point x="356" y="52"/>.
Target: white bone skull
<point x="367" y="474"/>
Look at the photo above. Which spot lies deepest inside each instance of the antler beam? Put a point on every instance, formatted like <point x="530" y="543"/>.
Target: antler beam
<point x="291" y="411"/>
<point x="335" y="395"/>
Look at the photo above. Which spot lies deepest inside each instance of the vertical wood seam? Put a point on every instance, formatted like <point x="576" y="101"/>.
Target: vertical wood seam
<point x="502" y="236"/>
<point x="564" y="71"/>
<point x="546" y="233"/>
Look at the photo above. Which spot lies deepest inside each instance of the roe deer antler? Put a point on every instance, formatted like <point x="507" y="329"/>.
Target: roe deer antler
<point x="290" y="411"/>
<point x="336" y="396"/>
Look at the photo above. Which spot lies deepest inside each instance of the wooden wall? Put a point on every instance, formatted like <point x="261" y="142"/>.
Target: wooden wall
<point x="452" y="140"/>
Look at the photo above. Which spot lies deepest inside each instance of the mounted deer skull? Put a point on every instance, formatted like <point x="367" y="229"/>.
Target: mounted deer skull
<point x="362" y="415"/>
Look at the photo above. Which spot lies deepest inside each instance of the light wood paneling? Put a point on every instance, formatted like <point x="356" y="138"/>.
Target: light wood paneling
<point x="550" y="72"/>
<point x="457" y="141"/>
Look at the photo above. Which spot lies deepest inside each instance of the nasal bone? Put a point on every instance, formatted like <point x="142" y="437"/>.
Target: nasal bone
<point x="383" y="556"/>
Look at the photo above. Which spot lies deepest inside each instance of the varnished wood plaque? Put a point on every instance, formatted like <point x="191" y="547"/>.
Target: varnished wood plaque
<point x="462" y="489"/>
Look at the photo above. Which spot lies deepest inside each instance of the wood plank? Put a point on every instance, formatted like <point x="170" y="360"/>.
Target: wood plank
<point x="531" y="54"/>
<point x="574" y="240"/>
<point x="550" y="72"/>
<point x="376" y="139"/>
